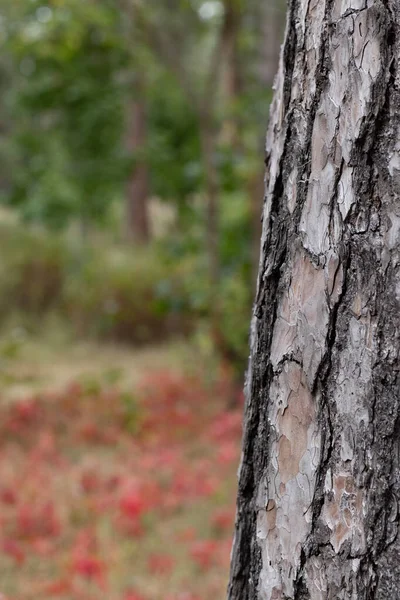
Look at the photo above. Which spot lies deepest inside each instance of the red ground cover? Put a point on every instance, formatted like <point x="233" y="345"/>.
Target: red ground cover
<point x="109" y="495"/>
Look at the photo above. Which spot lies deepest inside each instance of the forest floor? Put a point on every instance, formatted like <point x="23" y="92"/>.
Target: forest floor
<point x="117" y="473"/>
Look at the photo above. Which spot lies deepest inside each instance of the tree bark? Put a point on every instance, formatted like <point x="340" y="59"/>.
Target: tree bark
<point x="319" y="483"/>
<point x="138" y="221"/>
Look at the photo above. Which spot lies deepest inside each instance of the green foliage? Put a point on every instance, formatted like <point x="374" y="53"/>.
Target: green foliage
<point x="73" y="70"/>
<point x="131" y="411"/>
<point x="235" y="305"/>
<point x="66" y="105"/>
<point x="185" y="251"/>
<point x="235" y="234"/>
<point x="174" y="149"/>
<point x="32" y="272"/>
<point x="113" y="293"/>
<point x="70" y="71"/>
<point x="236" y="291"/>
<point x="119" y="296"/>
<point x="106" y="293"/>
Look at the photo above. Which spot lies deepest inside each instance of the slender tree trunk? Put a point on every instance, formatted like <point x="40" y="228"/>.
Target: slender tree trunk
<point x="271" y="28"/>
<point x="231" y="76"/>
<point x="272" y="16"/>
<point x="138" y="221"/>
<point x="319" y="485"/>
<point x="208" y="145"/>
<point x="208" y="149"/>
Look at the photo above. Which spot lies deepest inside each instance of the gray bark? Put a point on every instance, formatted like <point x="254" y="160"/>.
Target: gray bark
<point x="319" y="481"/>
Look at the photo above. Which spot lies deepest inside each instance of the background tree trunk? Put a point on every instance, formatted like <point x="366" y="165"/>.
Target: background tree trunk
<point x="208" y="149"/>
<point x="319" y="484"/>
<point x="271" y="16"/>
<point x="138" y="220"/>
<point x="231" y="74"/>
<point x="272" y="22"/>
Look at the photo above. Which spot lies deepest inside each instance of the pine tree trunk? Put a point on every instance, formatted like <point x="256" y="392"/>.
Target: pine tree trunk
<point x="271" y="26"/>
<point x="231" y="75"/>
<point x="271" y="23"/>
<point x="138" y="219"/>
<point x="319" y="483"/>
<point x="212" y="189"/>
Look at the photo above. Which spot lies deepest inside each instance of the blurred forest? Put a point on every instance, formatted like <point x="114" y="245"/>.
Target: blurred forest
<point x="132" y="155"/>
<point x="131" y="186"/>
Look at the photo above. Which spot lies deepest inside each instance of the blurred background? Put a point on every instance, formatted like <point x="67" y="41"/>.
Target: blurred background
<point x="131" y="186"/>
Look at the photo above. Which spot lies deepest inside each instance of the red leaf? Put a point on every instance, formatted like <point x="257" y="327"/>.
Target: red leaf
<point x="160" y="563"/>
<point x="13" y="549"/>
<point x="132" y="595"/>
<point x="59" y="587"/>
<point x="132" y="504"/>
<point x="203" y="553"/>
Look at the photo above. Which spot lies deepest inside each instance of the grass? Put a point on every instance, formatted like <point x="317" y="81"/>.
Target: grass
<point x="32" y="363"/>
<point x="117" y="472"/>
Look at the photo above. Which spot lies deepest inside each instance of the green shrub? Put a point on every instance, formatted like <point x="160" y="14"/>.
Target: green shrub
<point x="232" y="297"/>
<point x="130" y="295"/>
<point x="32" y="271"/>
<point x="123" y="297"/>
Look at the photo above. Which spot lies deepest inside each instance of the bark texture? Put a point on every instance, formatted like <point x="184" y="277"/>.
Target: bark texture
<point x="319" y="481"/>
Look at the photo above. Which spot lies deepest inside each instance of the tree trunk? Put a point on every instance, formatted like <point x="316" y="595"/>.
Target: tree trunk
<point x="271" y="27"/>
<point x="319" y="484"/>
<point x="208" y="149"/>
<point x="212" y="188"/>
<point x="231" y="76"/>
<point x="271" y="16"/>
<point x="138" y="221"/>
